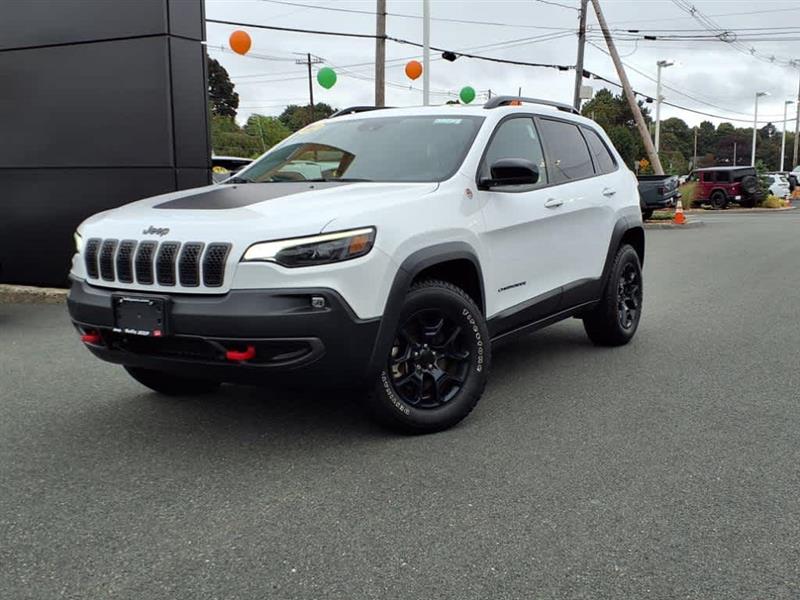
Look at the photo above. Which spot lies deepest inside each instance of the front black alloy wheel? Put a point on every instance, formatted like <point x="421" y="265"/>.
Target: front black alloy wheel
<point x="437" y="366"/>
<point x="430" y="359"/>
<point x="613" y="322"/>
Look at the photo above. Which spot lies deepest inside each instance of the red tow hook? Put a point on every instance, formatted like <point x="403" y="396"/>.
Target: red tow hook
<point x="91" y="337"/>
<point x="236" y="356"/>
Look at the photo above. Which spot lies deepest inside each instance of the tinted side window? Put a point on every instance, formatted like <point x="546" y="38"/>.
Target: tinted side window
<point x="603" y="161"/>
<point x="567" y="155"/>
<point x="723" y="176"/>
<point x="515" y="138"/>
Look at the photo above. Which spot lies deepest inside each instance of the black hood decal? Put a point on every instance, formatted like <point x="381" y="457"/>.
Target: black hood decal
<point x="227" y="196"/>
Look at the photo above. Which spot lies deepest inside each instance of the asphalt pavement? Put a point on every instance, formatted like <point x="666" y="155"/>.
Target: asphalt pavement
<point x="664" y="469"/>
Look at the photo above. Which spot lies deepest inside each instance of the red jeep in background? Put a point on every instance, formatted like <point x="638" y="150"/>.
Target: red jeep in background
<point x="720" y="185"/>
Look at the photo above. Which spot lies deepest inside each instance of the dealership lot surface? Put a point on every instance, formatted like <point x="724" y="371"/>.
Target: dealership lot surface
<point x="664" y="469"/>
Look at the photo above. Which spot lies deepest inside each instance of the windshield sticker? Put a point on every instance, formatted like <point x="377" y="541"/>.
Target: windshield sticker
<point x="447" y="121"/>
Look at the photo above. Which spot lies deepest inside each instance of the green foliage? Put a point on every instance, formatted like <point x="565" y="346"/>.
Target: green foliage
<point x="228" y="139"/>
<point x="296" y="117"/>
<point x="715" y="145"/>
<point x="688" y="192"/>
<point x="267" y="130"/>
<point x="222" y="98"/>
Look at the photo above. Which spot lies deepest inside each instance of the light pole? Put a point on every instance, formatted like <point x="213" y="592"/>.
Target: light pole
<point x="755" y="128"/>
<point x="660" y="64"/>
<point x="783" y="135"/>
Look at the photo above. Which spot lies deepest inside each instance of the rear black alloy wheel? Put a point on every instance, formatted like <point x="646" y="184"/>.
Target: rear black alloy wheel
<point x="629" y="295"/>
<point x="438" y="363"/>
<point x="613" y="322"/>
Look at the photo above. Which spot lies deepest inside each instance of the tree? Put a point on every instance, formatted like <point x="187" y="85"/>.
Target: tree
<point x="222" y="98"/>
<point x="296" y="117"/>
<point x="614" y="115"/>
<point x="267" y="130"/>
<point x="228" y="139"/>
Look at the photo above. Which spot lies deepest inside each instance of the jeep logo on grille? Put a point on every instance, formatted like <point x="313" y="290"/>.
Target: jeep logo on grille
<point x="159" y="231"/>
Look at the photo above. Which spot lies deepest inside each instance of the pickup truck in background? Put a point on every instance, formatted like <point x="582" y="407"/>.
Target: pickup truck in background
<point x="657" y="191"/>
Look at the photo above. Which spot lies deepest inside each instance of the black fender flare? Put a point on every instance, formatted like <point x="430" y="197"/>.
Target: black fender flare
<point x="621" y="228"/>
<point x="412" y="266"/>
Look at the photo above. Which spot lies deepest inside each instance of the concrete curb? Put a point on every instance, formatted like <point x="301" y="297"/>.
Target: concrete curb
<point x="23" y="294"/>
<point x="690" y="224"/>
<point x="733" y="211"/>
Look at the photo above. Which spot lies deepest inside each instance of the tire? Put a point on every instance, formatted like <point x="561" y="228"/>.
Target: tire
<point x="718" y="200"/>
<point x="647" y="213"/>
<point x="607" y="324"/>
<point x="171" y="385"/>
<point x="749" y="185"/>
<point x="438" y="365"/>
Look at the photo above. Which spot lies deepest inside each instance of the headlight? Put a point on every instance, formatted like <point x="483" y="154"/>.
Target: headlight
<point x="320" y="249"/>
<point x="78" y="241"/>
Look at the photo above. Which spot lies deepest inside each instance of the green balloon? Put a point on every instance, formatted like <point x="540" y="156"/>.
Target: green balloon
<point x="326" y="77"/>
<point x="467" y="94"/>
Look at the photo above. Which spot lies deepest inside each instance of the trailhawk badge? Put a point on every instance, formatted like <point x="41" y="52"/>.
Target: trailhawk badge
<point x="160" y="231"/>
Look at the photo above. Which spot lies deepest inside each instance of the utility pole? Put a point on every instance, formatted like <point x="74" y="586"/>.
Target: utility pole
<point x="694" y="156"/>
<point x="796" y="125"/>
<point x="786" y="104"/>
<point x="309" y="60"/>
<point x="380" y="54"/>
<point x="576" y="97"/>
<point x="426" y="52"/>
<point x="626" y="86"/>
<point x="734" y="154"/>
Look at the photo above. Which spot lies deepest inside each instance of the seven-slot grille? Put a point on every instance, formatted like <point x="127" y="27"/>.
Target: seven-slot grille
<point x="148" y="262"/>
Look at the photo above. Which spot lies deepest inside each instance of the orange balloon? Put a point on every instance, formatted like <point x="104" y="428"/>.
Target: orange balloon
<point x="413" y="69"/>
<point x="240" y="41"/>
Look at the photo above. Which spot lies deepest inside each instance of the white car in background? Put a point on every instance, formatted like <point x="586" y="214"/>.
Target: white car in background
<point x="778" y="185"/>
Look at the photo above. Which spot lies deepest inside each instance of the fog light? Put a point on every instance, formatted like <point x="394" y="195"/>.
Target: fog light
<point x="317" y="302"/>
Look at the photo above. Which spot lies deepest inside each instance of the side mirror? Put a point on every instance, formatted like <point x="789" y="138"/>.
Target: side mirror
<point x="511" y="171"/>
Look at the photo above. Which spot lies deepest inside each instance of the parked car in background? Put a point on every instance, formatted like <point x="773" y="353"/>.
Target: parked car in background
<point x="794" y="177"/>
<point x="721" y="185"/>
<point x="778" y="185"/>
<point x="657" y="191"/>
<point x="223" y="167"/>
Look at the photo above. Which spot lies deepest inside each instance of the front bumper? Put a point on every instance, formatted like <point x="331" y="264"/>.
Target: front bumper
<point x="292" y="340"/>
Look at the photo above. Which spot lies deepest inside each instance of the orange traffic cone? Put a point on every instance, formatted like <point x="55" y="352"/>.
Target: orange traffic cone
<point x="679" y="218"/>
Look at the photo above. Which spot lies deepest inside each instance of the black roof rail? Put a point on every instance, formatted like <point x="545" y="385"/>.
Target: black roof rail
<point x="506" y="100"/>
<point x="351" y="110"/>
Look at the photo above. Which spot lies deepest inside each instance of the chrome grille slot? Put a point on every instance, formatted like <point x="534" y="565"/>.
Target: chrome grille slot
<point x="144" y="263"/>
<point x="125" y="261"/>
<point x="165" y="263"/>
<point x="189" y="264"/>
<point x="107" y="259"/>
<point x="90" y="257"/>
<point x="214" y="264"/>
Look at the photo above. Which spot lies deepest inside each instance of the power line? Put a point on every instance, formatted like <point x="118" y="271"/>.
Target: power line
<point x="417" y="17"/>
<point x="551" y="3"/>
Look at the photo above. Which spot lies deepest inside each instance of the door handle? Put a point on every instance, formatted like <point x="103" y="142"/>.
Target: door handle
<point x="608" y="192"/>
<point x="554" y="203"/>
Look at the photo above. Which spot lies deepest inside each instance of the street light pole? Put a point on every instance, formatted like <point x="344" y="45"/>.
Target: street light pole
<point x="783" y="135"/>
<point x="660" y="64"/>
<point x="755" y="129"/>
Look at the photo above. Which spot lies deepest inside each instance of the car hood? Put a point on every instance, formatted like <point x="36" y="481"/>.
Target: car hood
<point x="245" y="213"/>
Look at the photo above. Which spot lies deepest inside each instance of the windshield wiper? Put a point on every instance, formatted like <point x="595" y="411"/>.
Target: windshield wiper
<point x="343" y="179"/>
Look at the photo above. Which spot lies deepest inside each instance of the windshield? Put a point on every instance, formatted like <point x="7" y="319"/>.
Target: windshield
<point x="412" y="148"/>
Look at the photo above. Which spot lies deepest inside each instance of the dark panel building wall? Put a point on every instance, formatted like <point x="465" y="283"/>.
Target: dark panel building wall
<point x="103" y="103"/>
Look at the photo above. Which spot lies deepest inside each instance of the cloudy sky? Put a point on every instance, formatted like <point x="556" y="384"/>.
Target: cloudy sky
<point x="712" y="76"/>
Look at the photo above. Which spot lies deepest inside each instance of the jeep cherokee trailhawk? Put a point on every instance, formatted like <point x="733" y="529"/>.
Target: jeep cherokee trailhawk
<point x="387" y="250"/>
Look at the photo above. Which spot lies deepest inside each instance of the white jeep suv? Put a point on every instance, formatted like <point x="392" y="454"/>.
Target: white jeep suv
<point x="389" y="249"/>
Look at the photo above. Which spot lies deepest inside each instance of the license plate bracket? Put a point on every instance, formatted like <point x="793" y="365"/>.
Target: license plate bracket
<point x="145" y="316"/>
